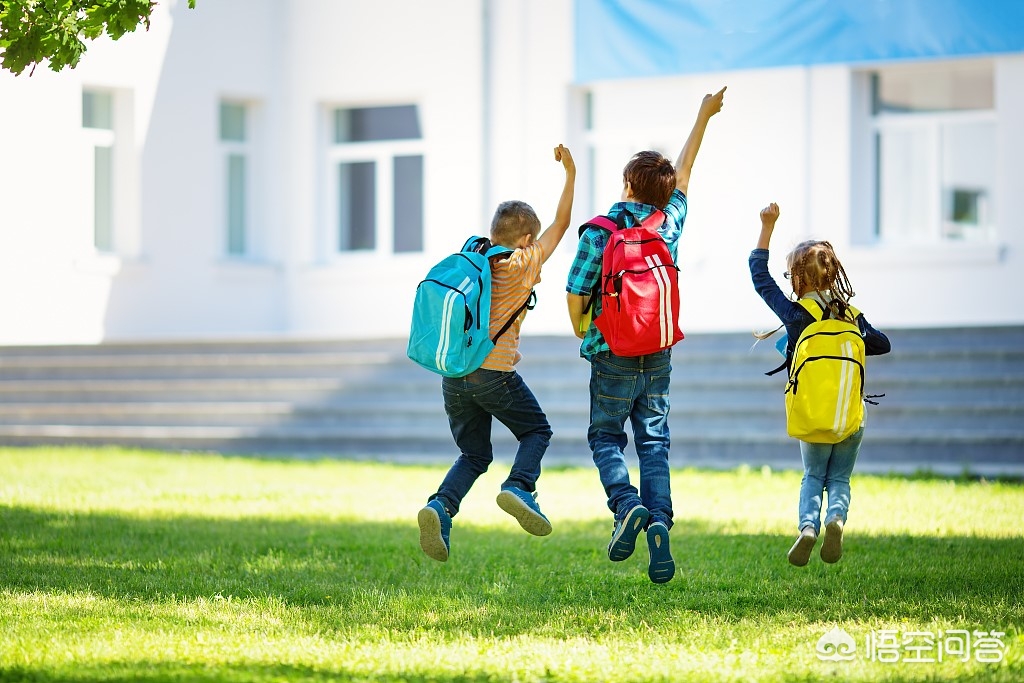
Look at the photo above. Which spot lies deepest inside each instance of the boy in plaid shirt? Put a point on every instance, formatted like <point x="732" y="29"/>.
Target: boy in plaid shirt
<point x="635" y="388"/>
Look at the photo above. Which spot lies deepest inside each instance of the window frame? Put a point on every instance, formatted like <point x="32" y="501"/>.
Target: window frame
<point x="96" y="138"/>
<point x="382" y="154"/>
<point x="932" y="124"/>
<point x="245" y="149"/>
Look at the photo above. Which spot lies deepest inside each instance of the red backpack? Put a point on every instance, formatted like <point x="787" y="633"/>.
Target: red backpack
<point x="639" y="287"/>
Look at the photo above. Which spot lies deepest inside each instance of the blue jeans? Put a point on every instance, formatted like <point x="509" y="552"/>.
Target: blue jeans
<point x="827" y="467"/>
<point x="471" y="402"/>
<point x="635" y="389"/>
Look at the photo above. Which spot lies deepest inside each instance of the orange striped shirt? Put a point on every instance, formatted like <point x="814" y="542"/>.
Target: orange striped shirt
<point x="512" y="279"/>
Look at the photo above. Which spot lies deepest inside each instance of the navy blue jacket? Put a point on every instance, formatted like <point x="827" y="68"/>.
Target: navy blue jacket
<point x="795" y="317"/>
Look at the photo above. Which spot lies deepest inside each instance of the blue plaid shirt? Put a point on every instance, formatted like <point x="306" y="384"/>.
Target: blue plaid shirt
<point x="585" y="271"/>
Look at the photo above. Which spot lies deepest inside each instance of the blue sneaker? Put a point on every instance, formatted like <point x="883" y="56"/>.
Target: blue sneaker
<point x="625" y="532"/>
<point x="435" y="527"/>
<point x="523" y="506"/>
<point x="662" y="567"/>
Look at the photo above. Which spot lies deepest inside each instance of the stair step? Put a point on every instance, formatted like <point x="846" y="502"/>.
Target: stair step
<point x="954" y="399"/>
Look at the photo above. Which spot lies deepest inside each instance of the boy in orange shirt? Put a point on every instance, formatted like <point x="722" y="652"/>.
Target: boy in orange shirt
<point x="496" y="390"/>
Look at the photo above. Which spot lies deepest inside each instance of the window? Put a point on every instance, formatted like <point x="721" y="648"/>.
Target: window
<point x="376" y="162"/>
<point x="234" y="140"/>
<point x="935" y="152"/>
<point x="98" y="125"/>
<point x="609" y="137"/>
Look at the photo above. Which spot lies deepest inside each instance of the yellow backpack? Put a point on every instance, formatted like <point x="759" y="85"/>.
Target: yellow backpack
<point x="825" y="393"/>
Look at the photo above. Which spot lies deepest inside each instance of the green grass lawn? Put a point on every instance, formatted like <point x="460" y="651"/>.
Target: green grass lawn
<point x="142" y="566"/>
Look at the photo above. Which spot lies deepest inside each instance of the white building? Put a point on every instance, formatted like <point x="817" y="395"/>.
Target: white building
<point x="259" y="168"/>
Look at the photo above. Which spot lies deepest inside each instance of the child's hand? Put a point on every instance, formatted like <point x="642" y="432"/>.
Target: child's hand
<point x="769" y="215"/>
<point x="712" y="104"/>
<point x="562" y="154"/>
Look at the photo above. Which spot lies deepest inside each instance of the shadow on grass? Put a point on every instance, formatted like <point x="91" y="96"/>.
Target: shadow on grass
<point x="501" y="580"/>
<point x="163" y="672"/>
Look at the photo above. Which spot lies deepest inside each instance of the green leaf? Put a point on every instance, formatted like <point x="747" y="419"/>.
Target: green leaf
<point x="33" y="31"/>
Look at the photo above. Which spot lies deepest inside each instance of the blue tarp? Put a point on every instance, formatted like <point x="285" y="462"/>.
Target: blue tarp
<point x="638" y="38"/>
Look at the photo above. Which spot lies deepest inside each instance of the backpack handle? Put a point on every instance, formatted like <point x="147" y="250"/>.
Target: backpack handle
<point x="653" y="221"/>
<point x="619" y="222"/>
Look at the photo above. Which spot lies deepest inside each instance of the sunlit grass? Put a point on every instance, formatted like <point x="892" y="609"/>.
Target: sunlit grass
<point x="126" y="565"/>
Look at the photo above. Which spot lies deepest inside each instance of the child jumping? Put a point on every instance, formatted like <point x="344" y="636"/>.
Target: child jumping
<point x="635" y="388"/>
<point x="815" y="273"/>
<point x="496" y="390"/>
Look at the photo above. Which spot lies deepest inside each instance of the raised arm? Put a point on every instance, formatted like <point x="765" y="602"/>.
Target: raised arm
<point x="711" y="105"/>
<point x="764" y="283"/>
<point x="550" y="238"/>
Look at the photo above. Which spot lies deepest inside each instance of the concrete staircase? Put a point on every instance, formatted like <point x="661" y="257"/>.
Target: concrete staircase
<point x="954" y="400"/>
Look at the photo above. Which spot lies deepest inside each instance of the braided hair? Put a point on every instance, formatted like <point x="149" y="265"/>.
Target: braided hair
<point x="818" y="267"/>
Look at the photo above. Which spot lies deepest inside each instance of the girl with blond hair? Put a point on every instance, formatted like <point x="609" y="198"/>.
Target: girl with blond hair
<point x="815" y="273"/>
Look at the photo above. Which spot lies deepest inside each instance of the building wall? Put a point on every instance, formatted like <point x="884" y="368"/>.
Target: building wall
<point x="494" y="84"/>
<point x="792" y="135"/>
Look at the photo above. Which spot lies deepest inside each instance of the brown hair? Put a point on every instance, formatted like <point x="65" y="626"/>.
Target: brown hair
<point x="512" y="220"/>
<point x="651" y="177"/>
<point x="819" y="270"/>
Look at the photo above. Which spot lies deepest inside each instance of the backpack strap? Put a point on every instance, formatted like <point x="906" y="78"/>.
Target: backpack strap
<point x="497" y="252"/>
<point x="785" y="364"/>
<point x="814" y="310"/>
<point x="602" y="222"/>
<point x="528" y="305"/>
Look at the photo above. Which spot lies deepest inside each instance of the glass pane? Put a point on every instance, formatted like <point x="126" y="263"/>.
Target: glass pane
<point x="968" y="177"/>
<point x="904" y="163"/>
<point x="232" y="122"/>
<point x="356" y="205"/>
<point x="236" y="204"/>
<point x="97" y="110"/>
<point x="376" y="123"/>
<point x="933" y="88"/>
<point x="408" y="203"/>
<point x="103" y="198"/>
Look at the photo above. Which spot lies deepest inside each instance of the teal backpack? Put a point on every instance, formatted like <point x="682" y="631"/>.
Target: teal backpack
<point x="451" y="313"/>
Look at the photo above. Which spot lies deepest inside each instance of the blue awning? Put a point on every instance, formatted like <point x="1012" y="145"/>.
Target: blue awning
<point x="638" y="38"/>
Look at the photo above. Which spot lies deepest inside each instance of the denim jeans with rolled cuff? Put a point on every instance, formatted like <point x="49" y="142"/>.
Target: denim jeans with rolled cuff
<point x="472" y="403"/>
<point x="827" y="467"/>
<point x="634" y="389"/>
